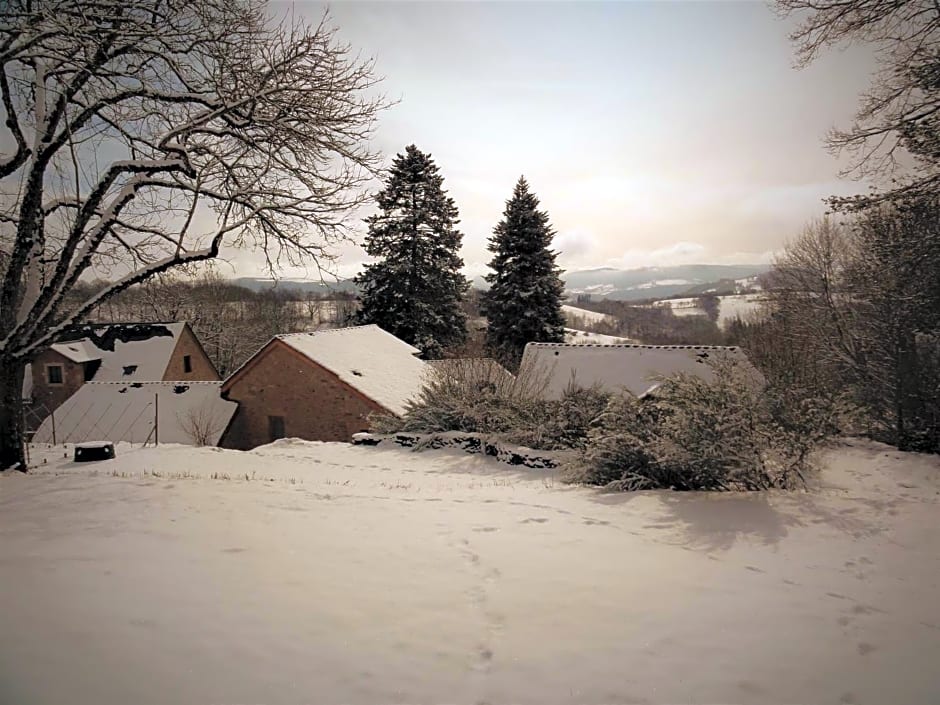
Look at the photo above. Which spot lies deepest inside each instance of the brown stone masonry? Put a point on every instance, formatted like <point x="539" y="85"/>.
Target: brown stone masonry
<point x="282" y="391"/>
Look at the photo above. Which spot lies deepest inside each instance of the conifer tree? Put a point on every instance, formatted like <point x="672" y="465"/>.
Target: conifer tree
<point x="414" y="289"/>
<point x="523" y="303"/>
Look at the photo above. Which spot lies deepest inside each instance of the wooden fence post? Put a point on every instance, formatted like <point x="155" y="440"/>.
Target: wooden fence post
<point x="156" y="419"/>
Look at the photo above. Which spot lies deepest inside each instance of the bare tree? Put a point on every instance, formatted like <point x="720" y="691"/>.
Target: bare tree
<point x="855" y="312"/>
<point x="900" y="114"/>
<point x="148" y="133"/>
<point x="202" y="424"/>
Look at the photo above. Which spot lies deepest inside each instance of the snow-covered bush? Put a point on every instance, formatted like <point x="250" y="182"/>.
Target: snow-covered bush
<point x="563" y="423"/>
<point x="731" y="433"/>
<point x="479" y="396"/>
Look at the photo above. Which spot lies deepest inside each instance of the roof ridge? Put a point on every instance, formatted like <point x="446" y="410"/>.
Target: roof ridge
<point x="633" y="345"/>
<point x="95" y="324"/>
<point x="129" y="382"/>
<point x="327" y="330"/>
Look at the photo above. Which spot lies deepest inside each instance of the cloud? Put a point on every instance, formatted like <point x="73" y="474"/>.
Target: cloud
<point x="683" y="252"/>
<point x="573" y="246"/>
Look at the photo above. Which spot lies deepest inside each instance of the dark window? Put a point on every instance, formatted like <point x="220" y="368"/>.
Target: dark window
<point x="129" y="369"/>
<point x="275" y="427"/>
<point x="187" y="363"/>
<point x="54" y="374"/>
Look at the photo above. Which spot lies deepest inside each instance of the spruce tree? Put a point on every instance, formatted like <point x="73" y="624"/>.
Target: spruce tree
<point x="415" y="287"/>
<point x="523" y="303"/>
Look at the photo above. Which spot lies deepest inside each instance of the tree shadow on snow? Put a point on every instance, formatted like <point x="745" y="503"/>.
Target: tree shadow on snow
<point x="713" y="521"/>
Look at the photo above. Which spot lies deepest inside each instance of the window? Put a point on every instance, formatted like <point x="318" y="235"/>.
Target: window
<point x="187" y="363"/>
<point x="54" y="374"/>
<point x="275" y="427"/>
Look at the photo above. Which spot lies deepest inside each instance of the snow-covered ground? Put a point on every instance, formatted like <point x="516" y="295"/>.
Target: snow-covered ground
<point x="573" y="313"/>
<point x="583" y="337"/>
<point x="731" y="307"/>
<point x="324" y="573"/>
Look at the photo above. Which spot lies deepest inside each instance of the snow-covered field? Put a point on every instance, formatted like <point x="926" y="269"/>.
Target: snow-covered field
<point x="731" y="307"/>
<point x="573" y="314"/>
<point x="583" y="337"/>
<point x="325" y="573"/>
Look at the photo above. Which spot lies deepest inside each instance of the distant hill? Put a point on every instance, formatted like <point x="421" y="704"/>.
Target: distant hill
<point x="602" y="283"/>
<point x="650" y="282"/>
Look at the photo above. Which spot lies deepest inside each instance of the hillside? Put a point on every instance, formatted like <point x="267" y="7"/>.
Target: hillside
<point x="622" y="284"/>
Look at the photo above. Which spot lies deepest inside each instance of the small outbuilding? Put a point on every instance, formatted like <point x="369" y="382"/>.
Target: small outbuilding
<point x="635" y="368"/>
<point x="321" y="386"/>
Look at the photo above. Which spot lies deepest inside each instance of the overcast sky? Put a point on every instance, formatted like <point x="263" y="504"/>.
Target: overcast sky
<point x="654" y="133"/>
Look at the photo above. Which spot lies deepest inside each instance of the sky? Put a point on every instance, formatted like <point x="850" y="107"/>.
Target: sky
<point x="654" y="133"/>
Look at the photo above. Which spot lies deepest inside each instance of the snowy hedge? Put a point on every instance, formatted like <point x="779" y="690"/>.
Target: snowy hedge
<point x="732" y="433"/>
<point x="467" y="442"/>
<point x="474" y="396"/>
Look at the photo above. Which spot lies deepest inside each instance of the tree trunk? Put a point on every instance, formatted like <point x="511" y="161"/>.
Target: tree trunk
<point x="12" y="450"/>
<point x="906" y="391"/>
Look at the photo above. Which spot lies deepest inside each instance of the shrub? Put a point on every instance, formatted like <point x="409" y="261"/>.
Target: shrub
<point x="731" y="433"/>
<point x="479" y="396"/>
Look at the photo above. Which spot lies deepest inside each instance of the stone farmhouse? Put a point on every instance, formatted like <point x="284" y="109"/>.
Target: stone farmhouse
<point x="634" y="368"/>
<point x="321" y="386"/>
<point x="118" y="352"/>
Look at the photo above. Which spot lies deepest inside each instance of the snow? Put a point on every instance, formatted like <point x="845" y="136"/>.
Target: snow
<point x="309" y="572"/>
<point x="27" y="392"/>
<point x="579" y="337"/>
<point x="374" y="362"/>
<point x="119" y="411"/>
<point x="731" y="307"/>
<point x="589" y="316"/>
<point x="631" y="367"/>
<point x="78" y="351"/>
<point x="662" y="282"/>
<point x="739" y="306"/>
<point x="135" y="360"/>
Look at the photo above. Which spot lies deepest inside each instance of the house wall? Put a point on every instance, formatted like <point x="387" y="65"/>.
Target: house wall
<point x="314" y="403"/>
<point x="47" y="397"/>
<point x="202" y="367"/>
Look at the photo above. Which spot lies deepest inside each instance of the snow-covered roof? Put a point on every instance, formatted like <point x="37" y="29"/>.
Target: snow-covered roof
<point x="375" y="363"/>
<point x="78" y="350"/>
<point x="631" y="367"/>
<point x="129" y="352"/>
<point x="27" y="383"/>
<point x="118" y="411"/>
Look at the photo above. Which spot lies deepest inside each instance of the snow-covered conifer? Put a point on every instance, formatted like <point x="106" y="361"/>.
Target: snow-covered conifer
<point x="414" y="289"/>
<point x="523" y="303"/>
